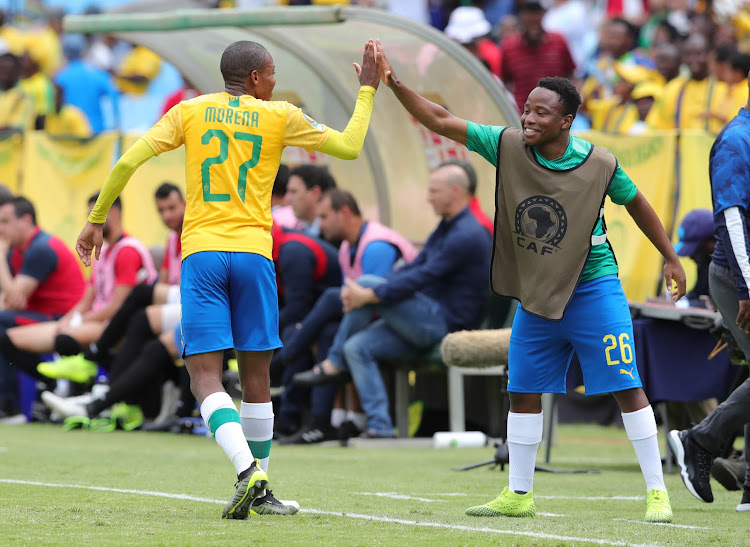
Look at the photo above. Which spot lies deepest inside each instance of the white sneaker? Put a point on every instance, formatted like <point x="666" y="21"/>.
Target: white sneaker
<point x="16" y="419"/>
<point x="65" y="407"/>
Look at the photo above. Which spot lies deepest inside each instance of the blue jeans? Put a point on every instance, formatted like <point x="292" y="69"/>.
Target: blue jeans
<point x="319" y="325"/>
<point x="363" y="340"/>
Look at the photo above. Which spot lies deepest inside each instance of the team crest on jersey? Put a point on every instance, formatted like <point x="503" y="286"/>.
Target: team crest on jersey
<point x="540" y="224"/>
<point x="320" y="127"/>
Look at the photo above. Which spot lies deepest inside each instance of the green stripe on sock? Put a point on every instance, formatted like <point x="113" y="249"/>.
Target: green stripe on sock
<point x="260" y="449"/>
<point x="222" y="416"/>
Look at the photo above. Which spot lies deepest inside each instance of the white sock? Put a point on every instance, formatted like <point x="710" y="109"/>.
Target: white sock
<point x="257" y="426"/>
<point x="524" y="437"/>
<point x="226" y="428"/>
<point x="641" y="429"/>
<point x="358" y="418"/>
<point x="338" y="415"/>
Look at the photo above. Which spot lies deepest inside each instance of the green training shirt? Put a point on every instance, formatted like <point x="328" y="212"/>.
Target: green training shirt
<point x="483" y="139"/>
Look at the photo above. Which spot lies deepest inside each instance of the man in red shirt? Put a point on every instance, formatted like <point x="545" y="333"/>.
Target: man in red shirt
<point x="533" y="54"/>
<point x="40" y="281"/>
<point x="125" y="263"/>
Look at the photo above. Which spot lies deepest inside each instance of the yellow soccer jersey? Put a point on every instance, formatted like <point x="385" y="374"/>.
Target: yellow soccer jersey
<point x="233" y="150"/>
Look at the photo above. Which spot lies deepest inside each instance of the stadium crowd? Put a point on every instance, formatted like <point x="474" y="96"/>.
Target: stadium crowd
<point x="106" y="352"/>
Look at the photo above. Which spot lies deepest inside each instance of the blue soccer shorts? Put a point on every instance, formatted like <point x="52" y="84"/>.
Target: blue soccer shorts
<point x="596" y="324"/>
<point x="229" y="300"/>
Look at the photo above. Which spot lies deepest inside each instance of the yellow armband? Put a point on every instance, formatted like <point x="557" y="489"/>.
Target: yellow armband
<point x="118" y="178"/>
<point x="348" y="144"/>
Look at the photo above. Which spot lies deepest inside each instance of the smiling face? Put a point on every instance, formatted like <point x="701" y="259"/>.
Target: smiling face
<point x="542" y="119"/>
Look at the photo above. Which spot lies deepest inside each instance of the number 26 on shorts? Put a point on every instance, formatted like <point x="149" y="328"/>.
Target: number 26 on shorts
<point x="625" y="353"/>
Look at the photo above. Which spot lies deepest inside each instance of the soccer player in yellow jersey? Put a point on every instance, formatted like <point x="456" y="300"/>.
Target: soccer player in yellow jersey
<point x="233" y="143"/>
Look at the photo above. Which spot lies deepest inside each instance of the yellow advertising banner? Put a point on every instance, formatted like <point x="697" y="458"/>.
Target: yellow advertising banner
<point x="10" y="161"/>
<point x="649" y="162"/>
<point x="140" y="217"/>
<point x="694" y="191"/>
<point x="60" y="176"/>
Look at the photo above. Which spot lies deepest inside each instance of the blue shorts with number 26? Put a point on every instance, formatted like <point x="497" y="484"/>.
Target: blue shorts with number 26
<point x="596" y="324"/>
<point x="229" y="300"/>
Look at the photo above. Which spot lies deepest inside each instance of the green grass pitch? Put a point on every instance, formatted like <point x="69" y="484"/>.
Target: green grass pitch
<point x="114" y="489"/>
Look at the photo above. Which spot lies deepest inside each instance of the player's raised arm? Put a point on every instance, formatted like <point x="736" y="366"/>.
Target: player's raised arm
<point x="348" y="144"/>
<point x="90" y="238"/>
<point x="433" y="116"/>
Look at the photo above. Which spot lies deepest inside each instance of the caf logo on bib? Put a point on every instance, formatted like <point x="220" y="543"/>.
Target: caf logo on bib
<point x="541" y="218"/>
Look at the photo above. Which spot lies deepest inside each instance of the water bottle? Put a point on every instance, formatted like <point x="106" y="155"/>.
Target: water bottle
<point x="462" y="439"/>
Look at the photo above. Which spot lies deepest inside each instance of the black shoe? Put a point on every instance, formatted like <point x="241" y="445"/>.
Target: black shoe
<point x="729" y="472"/>
<point x="694" y="462"/>
<point x="316" y="377"/>
<point x="347" y="430"/>
<point x="269" y="505"/>
<point x="310" y="435"/>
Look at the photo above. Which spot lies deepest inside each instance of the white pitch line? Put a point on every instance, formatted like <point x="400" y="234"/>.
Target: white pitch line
<point x="665" y="524"/>
<point x="396" y="496"/>
<point x="370" y="518"/>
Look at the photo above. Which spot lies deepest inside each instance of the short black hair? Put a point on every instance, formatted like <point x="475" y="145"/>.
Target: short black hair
<point x="279" y="183"/>
<point x="341" y="198"/>
<point x="240" y="59"/>
<point x="5" y="195"/>
<point x="569" y="96"/>
<point x="166" y="188"/>
<point x="117" y="203"/>
<point x="468" y="169"/>
<point x="314" y="175"/>
<point x="741" y="62"/>
<point x="724" y="52"/>
<point x="23" y="206"/>
<point x="630" y="28"/>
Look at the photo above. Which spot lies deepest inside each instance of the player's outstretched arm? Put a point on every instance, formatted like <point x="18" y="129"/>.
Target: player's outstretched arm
<point x="433" y="116"/>
<point x="90" y="238"/>
<point x="645" y="217"/>
<point x="348" y="144"/>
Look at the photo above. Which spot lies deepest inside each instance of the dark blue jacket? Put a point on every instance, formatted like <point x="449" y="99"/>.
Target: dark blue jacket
<point x="452" y="269"/>
<point x="305" y="267"/>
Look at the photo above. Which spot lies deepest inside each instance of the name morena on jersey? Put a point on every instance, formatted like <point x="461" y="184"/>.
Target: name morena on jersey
<point x="231" y="115"/>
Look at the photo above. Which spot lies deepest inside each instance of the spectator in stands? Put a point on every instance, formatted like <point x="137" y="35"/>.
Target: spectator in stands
<point x="37" y="86"/>
<point x="306" y="268"/>
<point x="149" y="310"/>
<point x="367" y="248"/>
<point x="694" y="102"/>
<point x="125" y="262"/>
<point x="40" y="281"/>
<point x="736" y="78"/>
<point x="533" y="54"/>
<point x="86" y="86"/>
<point x="644" y="96"/>
<point x="729" y="169"/>
<point x="442" y="290"/>
<point x="575" y="21"/>
<point x="306" y="185"/>
<point x="667" y="60"/>
<point x="468" y="26"/>
<point x="619" y="114"/>
<point x="617" y="41"/>
<point x="16" y="109"/>
<point x="66" y="120"/>
<point x="12" y="37"/>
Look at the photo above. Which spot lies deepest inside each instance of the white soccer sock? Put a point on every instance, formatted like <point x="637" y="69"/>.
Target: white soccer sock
<point x="358" y="418"/>
<point x="338" y="415"/>
<point x="222" y="419"/>
<point x="524" y="436"/>
<point x="641" y="429"/>
<point x="257" y="425"/>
